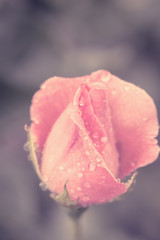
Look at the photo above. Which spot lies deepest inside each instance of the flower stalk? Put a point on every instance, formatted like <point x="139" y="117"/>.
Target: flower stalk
<point x="75" y="216"/>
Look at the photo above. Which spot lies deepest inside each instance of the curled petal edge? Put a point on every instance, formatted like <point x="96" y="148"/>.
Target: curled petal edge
<point x="32" y="148"/>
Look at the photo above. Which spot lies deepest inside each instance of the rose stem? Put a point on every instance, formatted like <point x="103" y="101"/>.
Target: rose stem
<point x="75" y="214"/>
<point x="76" y="229"/>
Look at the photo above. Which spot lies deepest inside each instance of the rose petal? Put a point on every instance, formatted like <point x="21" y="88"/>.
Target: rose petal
<point x="97" y="122"/>
<point x="70" y="154"/>
<point x="91" y="122"/>
<point x="99" y="101"/>
<point x="70" y="157"/>
<point x="49" y="102"/>
<point x="134" y="119"/>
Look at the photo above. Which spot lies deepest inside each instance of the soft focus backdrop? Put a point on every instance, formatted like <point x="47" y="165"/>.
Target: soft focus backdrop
<point x="42" y="38"/>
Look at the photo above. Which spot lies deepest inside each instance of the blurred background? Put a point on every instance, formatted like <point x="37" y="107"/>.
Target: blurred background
<point x="42" y="38"/>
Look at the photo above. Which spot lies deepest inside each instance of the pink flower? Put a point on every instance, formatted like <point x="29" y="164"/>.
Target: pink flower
<point x="92" y="131"/>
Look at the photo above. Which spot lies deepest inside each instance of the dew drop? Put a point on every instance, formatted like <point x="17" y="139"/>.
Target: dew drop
<point x="86" y="138"/>
<point x="95" y="135"/>
<point x="79" y="189"/>
<point x="104" y="139"/>
<point x="26" y="127"/>
<point x="87" y="185"/>
<point x="75" y="103"/>
<point x="133" y="164"/>
<point x="81" y="102"/>
<point x="96" y="145"/>
<point x="98" y="159"/>
<point x="106" y="78"/>
<point x="36" y="101"/>
<point x="80" y="174"/>
<point x="92" y="166"/>
<point x="43" y="186"/>
<point x="45" y="178"/>
<point x="103" y="165"/>
<point x="72" y="190"/>
<point x="26" y="146"/>
<point x="85" y="198"/>
<point x="144" y="119"/>
<point x="103" y="152"/>
<point x="43" y="86"/>
<point x="61" y="168"/>
<point x="36" y="121"/>
<point x="114" y="92"/>
<point x="127" y="89"/>
<point x="87" y="152"/>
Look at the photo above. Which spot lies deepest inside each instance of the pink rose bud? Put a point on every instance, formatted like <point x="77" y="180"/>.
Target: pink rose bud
<point x="91" y="132"/>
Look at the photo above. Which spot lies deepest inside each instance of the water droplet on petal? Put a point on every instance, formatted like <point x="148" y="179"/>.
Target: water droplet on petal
<point x="36" y="121"/>
<point x="114" y="92"/>
<point x="127" y="89"/>
<point x="86" y="138"/>
<point x="103" y="152"/>
<point x="74" y="103"/>
<point x="72" y="190"/>
<point x="26" y="146"/>
<point x="95" y="135"/>
<point x="144" y="119"/>
<point x="26" y="127"/>
<point x="87" y="152"/>
<point x="79" y="189"/>
<point x="106" y="78"/>
<point x="96" y="145"/>
<point x="61" y="168"/>
<point x="103" y="165"/>
<point x="81" y="102"/>
<point x="92" y="166"/>
<point x="45" y="178"/>
<point x="104" y="139"/>
<point x="43" y="86"/>
<point x="98" y="159"/>
<point x="87" y="185"/>
<point x="36" y="100"/>
<point x="133" y="164"/>
<point x="43" y="186"/>
<point x="80" y="174"/>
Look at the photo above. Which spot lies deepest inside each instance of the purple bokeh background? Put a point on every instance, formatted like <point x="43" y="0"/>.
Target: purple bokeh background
<point x="42" y="38"/>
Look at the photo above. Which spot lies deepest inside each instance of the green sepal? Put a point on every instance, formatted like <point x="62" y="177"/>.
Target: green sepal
<point x="130" y="183"/>
<point x="64" y="198"/>
<point x="32" y="148"/>
<point x="129" y="186"/>
<point x="74" y="209"/>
